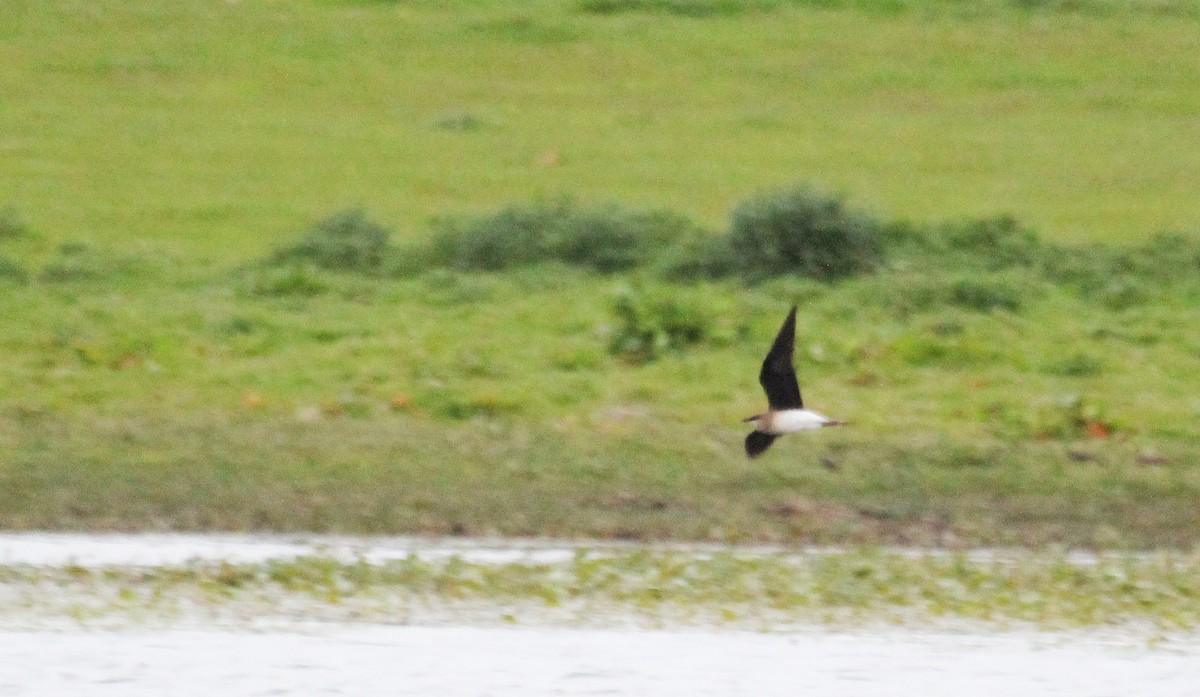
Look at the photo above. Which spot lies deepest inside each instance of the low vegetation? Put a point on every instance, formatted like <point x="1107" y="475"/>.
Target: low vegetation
<point x="600" y="238"/>
<point x="1046" y="591"/>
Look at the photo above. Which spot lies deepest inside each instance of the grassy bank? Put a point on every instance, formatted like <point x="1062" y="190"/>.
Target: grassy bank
<point x="988" y="407"/>
<point x="181" y="352"/>
<point x="674" y="589"/>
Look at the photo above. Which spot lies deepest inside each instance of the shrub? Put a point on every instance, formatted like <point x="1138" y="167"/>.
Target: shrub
<point x="1120" y="278"/>
<point x="462" y="121"/>
<point x="604" y="238"/>
<point x="1086" y="268"/>
<point x="1164" y="259"/>
<point x="346" y="241"/>
<point x="801" y="231"/>
<point x="697" y="257"/>
<point x="995" y="243"/>
<point x="1116" y="277"/>
<point x="649" y="324"/>
<point x="511" y="237"/>
<point x="1122" y="294"/>
<point x="292" y="280"/>
<point x="11" y="225"/>
<point x="681" y="8"/>
<point x="12" y="271"/>
<point x="988" y="243"/>
<point x="81" y="263"/>
<point x="614" y="240"/>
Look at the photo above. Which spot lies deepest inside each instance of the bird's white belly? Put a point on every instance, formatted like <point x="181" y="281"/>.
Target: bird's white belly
<point x="792" y="420"/>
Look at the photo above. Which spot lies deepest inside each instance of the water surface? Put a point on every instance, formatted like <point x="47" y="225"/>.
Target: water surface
<point x="536" y="662"/>
<point x="44" y="651"/>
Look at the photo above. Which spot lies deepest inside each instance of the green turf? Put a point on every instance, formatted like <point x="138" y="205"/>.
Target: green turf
<point x="156" y="374"/>
<point x="212" y="129"/>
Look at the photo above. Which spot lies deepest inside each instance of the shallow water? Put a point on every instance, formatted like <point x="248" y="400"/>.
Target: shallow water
<point x="44" y="652"/>
<point x="162" y="549"/>
<point x="165" y="549"/>
<point x="531" y="662"/>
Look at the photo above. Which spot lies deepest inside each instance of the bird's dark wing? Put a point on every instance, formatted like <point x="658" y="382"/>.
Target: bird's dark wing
<point x="778" y="377"/>
<point x="757" y="442"/>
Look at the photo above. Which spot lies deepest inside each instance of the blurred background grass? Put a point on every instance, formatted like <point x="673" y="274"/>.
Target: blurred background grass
<point x="211" y="130"/>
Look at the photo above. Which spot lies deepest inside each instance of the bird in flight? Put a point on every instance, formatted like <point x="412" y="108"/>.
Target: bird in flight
<point x="785" y="412"/>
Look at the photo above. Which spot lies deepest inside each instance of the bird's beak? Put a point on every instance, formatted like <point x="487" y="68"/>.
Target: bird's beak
<point x="835" y="423"/>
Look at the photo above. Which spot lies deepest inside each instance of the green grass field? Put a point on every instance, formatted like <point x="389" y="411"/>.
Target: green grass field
<point x="208" y="129"/>
<point x="157" y="373"/>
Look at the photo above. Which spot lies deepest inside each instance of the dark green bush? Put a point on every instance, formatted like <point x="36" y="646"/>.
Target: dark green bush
<point x="681" y="8"/>
<point x="604" y="238"/>
<point x="1122" y="294"/>
<point x="1076" y="365"/>
<point x="1085" y="268"/>
<point x="291" y="280"/>
<point x="462" y="121"/>
<point x="649" y="324"/>
<point x="1116" y="277"/>
<point x="699" y="256"/>
<point x="346" y="241"/>
<point x="11" y="225"/>
<point x="615" y="240"/>
<point x="804" y="232"/>
<point x="987" y="243"/>
<point x="995" y="243"/>
<point x="82" y="263"/>
<point x="1120" y="278"/>
<point x="12" y="271"/>
<point x="1164" y="259"/>
<point x="511" y="237"/>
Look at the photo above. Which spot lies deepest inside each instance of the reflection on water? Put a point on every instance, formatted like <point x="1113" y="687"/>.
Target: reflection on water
<point x="164" y="549"/>
<point x="530" y="662"/>
<point x="172" y="549"/>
